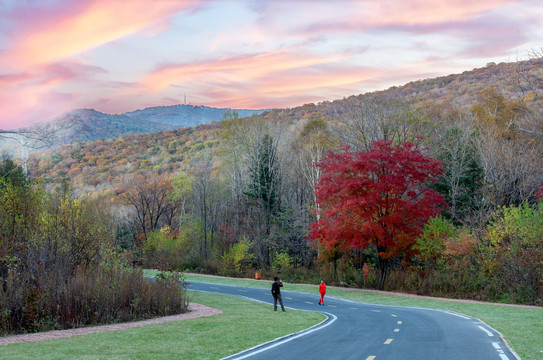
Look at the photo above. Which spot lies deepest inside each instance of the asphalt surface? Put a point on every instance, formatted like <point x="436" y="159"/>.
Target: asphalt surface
<point x="360" y="331"/>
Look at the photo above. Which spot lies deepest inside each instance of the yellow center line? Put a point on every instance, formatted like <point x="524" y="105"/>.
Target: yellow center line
<point x="376" y="310"/>
<point x="388" y="341"/>
<point x="399" y="322"/>
<point x="393" y="315"/>
<point x="370" y="357"/>
<point x="396" y="330"/>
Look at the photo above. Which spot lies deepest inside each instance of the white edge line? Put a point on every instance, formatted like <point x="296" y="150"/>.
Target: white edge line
<point x="502" y="338"/>
<point x="283" y="339"/>
<point x="485" y="330"/>
<point x="457" y="314"/>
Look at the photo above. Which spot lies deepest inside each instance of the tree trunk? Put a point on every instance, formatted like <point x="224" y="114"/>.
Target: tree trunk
<point x="383" y="272"/>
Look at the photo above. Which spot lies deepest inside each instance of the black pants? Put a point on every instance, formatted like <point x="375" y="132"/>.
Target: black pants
<point x="275" y="298"/>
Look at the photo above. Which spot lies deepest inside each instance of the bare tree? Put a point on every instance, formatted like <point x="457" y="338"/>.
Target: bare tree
<point x="512" y="169"/>
<point x="380" y="118"/>
<point x="315" y="140"/>
<point x="510" y="157"/>
<point x="206" y="199"/>
<point x="526" y="81"/>
<point x="150" y="197"/>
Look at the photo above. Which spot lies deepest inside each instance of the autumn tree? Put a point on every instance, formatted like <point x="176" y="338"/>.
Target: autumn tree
<point x="378" y="199"/>
<point x="495" y="113"/>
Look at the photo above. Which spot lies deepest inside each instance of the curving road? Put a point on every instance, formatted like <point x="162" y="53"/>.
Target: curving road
<point x="360" y="331"/>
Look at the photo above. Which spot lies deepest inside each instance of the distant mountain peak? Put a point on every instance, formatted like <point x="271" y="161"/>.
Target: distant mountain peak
<point x="87" y="124"/>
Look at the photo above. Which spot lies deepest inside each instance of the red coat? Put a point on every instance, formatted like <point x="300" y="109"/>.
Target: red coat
<point x="322" y="288"/>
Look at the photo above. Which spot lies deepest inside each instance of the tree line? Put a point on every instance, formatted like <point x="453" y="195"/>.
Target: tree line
<point x="245" y="200"/>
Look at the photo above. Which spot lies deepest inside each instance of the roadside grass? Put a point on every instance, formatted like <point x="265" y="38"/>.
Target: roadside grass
<point x="521" y="327"/>
<point x="243" y="324"/>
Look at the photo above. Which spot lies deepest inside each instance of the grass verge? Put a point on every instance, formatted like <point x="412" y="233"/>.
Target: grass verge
<point x="242" y="324"/>
<point x="521" y="327"/>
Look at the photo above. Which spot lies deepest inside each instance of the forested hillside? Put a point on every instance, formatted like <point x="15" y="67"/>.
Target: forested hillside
<point x="238" y="195"/>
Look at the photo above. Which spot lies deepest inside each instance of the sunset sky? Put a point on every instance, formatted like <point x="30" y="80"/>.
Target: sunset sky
<point x="120" y="55"/>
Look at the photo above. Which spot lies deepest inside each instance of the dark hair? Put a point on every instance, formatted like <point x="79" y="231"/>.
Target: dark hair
<point x="276" y="278"/>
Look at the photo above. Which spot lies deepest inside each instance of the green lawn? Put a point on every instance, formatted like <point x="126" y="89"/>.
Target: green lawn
<point x="521" y="327"/>
<point x="243" y="324"/>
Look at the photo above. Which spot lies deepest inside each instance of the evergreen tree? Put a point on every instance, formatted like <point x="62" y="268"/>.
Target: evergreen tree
<point x="264" y="176"/>
<point x="12" y="173"/>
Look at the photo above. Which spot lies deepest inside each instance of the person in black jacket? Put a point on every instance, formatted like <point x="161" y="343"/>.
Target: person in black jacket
<point x="276" y="292"/>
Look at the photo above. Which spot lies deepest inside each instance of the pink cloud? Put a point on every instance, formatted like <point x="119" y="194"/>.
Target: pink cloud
<point x="239" y="67"/>
<point x="32" y="96"/>
<point x="28" y="105"/>
<point x="12" y="79"/>
<point x="45" y="35"/>
<point x="381" y="15"/>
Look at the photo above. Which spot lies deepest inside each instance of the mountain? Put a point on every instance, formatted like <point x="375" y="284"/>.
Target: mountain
<point x="89" y="125"/>
<point x="83" y="125"/>
<point x="185" y="115"/>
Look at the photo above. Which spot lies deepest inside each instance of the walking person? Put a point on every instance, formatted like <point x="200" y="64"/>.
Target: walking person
<point x="322" y="290"/>
<point x="276" y="292"/>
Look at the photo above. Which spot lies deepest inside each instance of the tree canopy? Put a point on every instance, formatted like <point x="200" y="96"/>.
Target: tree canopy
<point x="376" y="198"/>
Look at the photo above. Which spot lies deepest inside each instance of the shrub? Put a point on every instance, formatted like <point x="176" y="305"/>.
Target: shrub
<point x="238" y="258"/>
<point x="282" y="264"/>
<point x="513" y="253"/>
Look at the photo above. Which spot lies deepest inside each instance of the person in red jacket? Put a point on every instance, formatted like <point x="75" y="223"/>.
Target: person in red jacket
<point x="322" y="290"/>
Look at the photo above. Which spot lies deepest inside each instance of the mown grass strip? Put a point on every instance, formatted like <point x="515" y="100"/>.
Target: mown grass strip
<point x="521" y="327"/>
<point x="243" y="324"/>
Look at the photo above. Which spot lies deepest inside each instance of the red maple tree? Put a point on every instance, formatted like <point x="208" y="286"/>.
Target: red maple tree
<point x="377" y="198"/>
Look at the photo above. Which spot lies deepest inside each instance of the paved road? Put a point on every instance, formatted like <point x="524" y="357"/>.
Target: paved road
<point x="360" y="331"/>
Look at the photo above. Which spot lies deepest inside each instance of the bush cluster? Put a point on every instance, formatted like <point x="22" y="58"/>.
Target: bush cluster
<point x="59" y="268"/>
<point x="92" y="296"/>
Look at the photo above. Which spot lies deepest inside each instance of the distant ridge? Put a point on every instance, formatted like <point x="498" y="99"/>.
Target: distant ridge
<point x="81" y="125"/>
<point x="186" y="115"/>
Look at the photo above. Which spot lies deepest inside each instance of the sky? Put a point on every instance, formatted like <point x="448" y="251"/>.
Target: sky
<point x="121" y="55"/>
